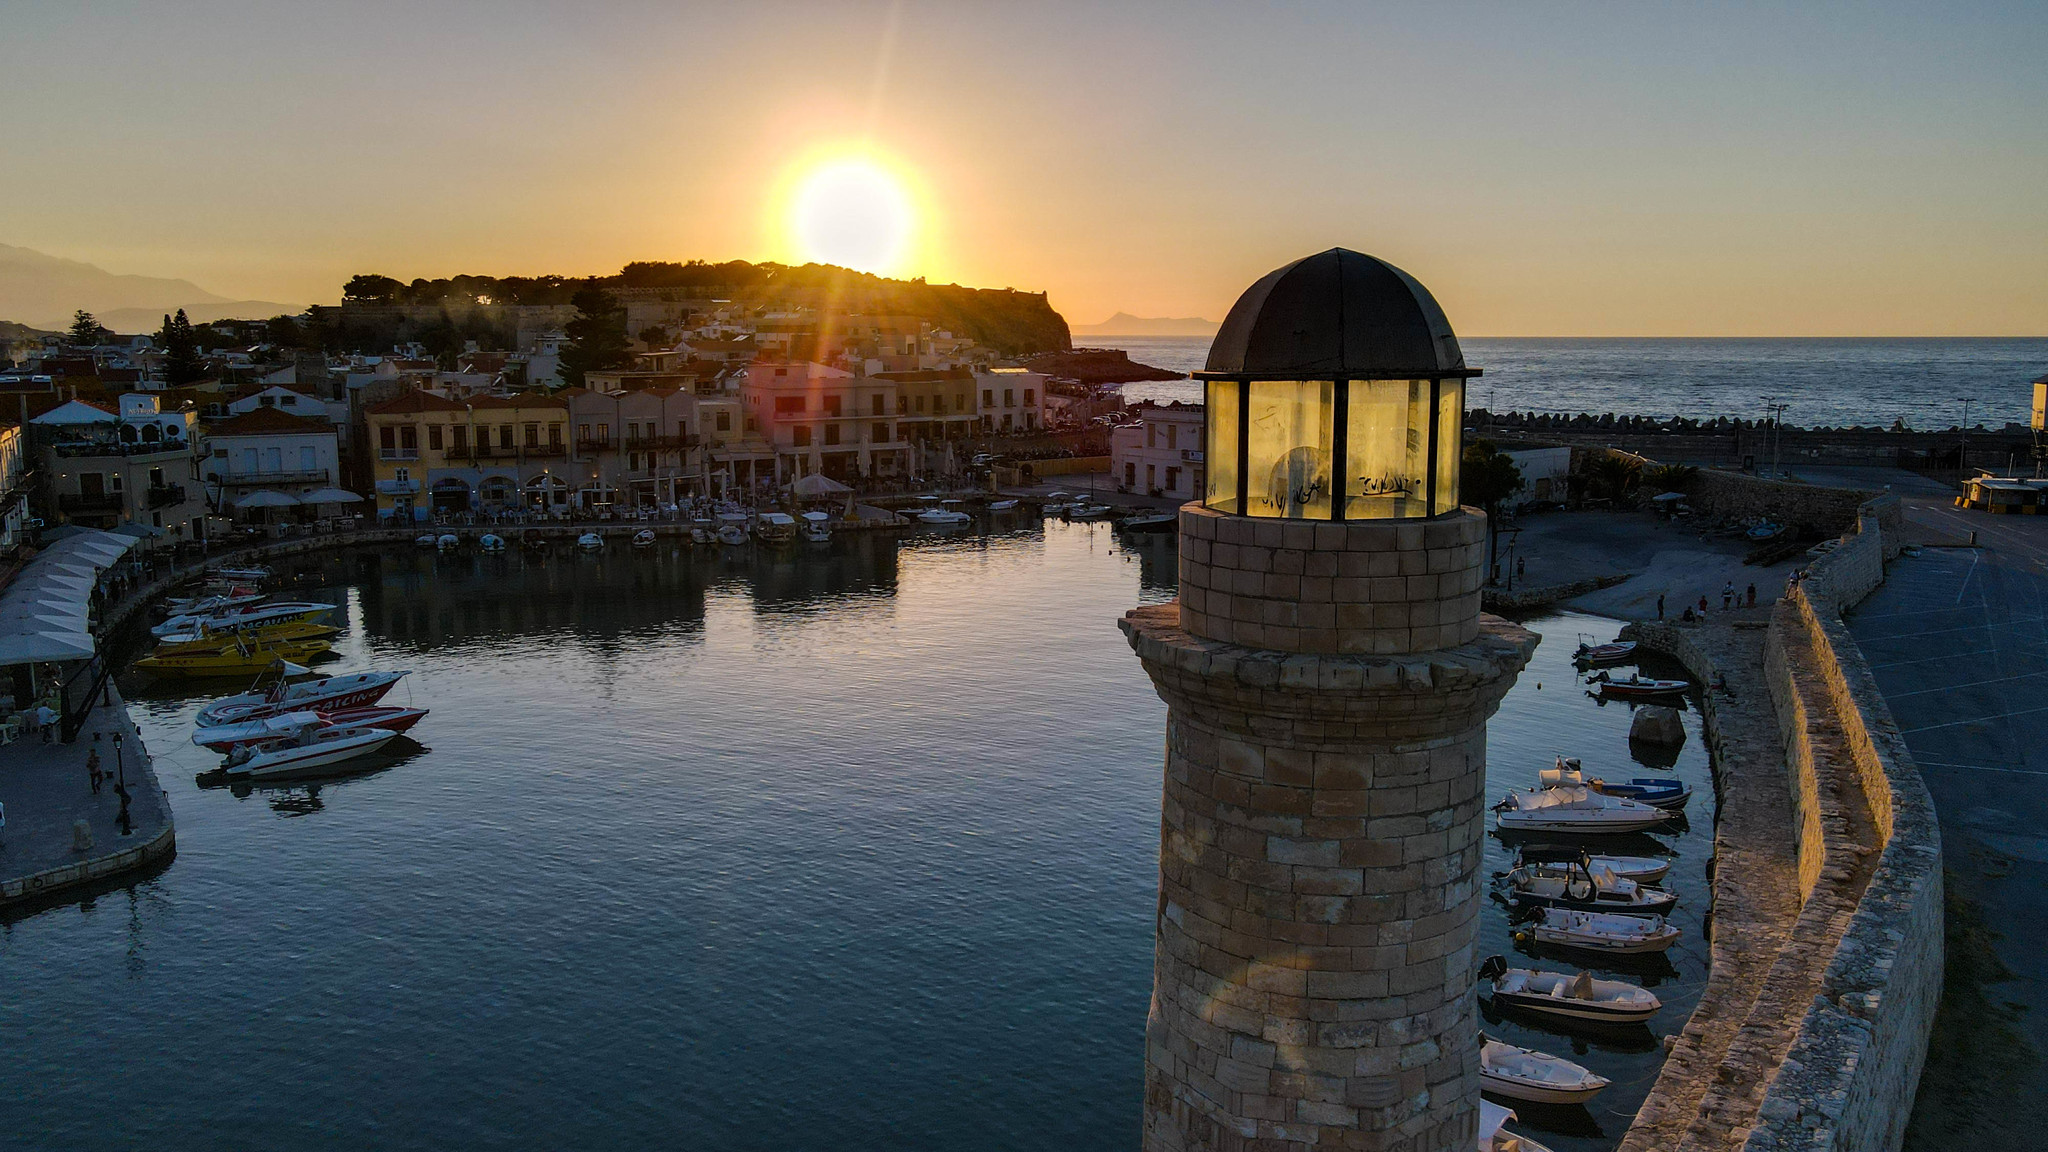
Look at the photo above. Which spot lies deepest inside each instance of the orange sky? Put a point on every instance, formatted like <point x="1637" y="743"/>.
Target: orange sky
<point x="1546" y="170"/>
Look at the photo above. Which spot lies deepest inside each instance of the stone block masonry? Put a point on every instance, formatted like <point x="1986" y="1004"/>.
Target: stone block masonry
<point x="1320" y="837"/>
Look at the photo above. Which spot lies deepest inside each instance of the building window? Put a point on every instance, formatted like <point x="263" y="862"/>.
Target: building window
<point x="156" y="477"/>
<point x="878" y="405"/>
<point x="307" y="461"/>
<point x="533" y="435"/>
<point x="831" y="433"/>
<point x="988" y="397"/>
<point x="785" y="404"/>
<point x="1151" y="476"/>
<point x="1009" y="397"/>
<point x="1172" y="438"/>
<point x="903" y="405"/>
<point x="555" y="436"/>
<point x="461" y="434"/>
<point x="879" y="433"/>
<point x="604" y="433"/>
<point x="682" y="429"/>
<point x="920" y="405"/>
<point x="1006" y="421"/>
<point x="1130" y="475"/>
<point x="408" y="438"/>
<point x="434" y="437"/>
<point x="832" y="405"/>
<point x="387" y="437"/>
<point x="1172" y="479"/>
<point x="802" y="433"/>
<point x="1030" y="397"/>
<point x="504" y="436"/>
<point x="724" y="420"/>
<point x="1151" y="434"/>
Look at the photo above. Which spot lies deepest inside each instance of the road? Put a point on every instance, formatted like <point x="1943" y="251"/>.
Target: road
<point x="1957" y="638"/>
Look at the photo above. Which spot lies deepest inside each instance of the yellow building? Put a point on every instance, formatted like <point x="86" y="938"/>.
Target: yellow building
<point x="485" y="454"/>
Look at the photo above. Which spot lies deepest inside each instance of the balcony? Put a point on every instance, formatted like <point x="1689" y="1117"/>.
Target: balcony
<point x="515" y="452"/>
<point x="165" y="495"/>
<point x="1191" y="455"/>
<point x="89" y="448"/>
<point x="398" y="453"/>
<point x="397" y="487"/>
<point x="263" y="479"/>
<point x="101" y="502"/>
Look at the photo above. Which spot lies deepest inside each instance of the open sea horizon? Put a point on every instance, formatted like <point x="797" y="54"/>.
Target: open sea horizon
<point x="1828" y="381"/>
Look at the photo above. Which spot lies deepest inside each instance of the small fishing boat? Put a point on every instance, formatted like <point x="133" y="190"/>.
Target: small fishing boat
<point x="311" y="746"/>
<point x="1641" y="869"/>
<point x="1580" y="997"/>
<point x="1534" y="1077"/>
<point x="426" y="541"/>
<point x="1002" y="505"/>
<point x="937" y="511"/>
<point x="590" y="542"/>
<point x="491" y="542"/>
<point x="233" y="657"/>
<point x="245" y="616"/>
<point x="1056" y="501"/>
<point x="817" y="530"/>
<point x="225" y="738"/>
<point x="1603" y="931"/>
<point x="1764" y="531"/>
<point x="644" y="538"/>
<point x="1086" y="510"/>
<point x="775" y="527"/>
<point x="1611" y="653"/>
<point x="1574" y="809"/>
<point x="1657" y="791"/>
<point x="1151" y="522"/>
<point x="448" y="542"/>
<point x="703" y="534"/>
<point x="1580" y="884"/>
<point x="1494" y="1136"/>
<point x="321" y="693"/>
<point x="1636" y="686"/>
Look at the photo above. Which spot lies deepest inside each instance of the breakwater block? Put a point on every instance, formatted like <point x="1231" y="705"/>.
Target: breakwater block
<point x="1657" y="724"/>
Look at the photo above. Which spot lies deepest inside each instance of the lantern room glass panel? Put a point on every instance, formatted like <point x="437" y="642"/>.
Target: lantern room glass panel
<point x="1386" y="450"/>
<point x="1219" y="446"/>
<point x="1450" y="442"/>
<point x="1288" y="458"/>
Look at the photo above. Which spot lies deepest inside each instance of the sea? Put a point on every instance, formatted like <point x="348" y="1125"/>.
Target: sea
<point x="840" y="847"/>
<point x="1824" y="382"/>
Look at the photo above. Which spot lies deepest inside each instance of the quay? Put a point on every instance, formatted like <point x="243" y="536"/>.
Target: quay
<point x="48" y="795"/>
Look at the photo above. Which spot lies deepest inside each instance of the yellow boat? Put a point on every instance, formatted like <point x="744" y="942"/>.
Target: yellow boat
<point x="231" y="658"/>
<point x="208" y="641"/>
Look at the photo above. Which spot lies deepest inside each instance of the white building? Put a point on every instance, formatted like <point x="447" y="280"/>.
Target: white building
<point x="137" y="465"/>
<point x="269" y="448"/>
<point x="1012" y="400"/>
<point x="1160" y="453"/>
<point x="1545" y="474"/>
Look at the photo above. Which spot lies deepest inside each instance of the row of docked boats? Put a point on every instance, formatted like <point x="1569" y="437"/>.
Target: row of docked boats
<point x="1599" y="658"/>
<point x="232" y="628"/>
<point x="292" y="722"/>
<point x="1566" y="801"/>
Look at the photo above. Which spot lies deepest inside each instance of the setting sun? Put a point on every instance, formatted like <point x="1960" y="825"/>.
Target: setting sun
<point x="854" y="213"/>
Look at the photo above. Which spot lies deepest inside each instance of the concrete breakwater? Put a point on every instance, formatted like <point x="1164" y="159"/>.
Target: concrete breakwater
<point x="1820" y="1043"/>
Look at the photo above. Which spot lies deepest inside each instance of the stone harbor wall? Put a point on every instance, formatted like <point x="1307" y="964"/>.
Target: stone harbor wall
<point x="1849" y="1078"/>
<point x="1809" y="508"/>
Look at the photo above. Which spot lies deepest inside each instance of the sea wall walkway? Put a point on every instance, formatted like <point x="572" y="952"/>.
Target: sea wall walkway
<point x="1827" y="927"/>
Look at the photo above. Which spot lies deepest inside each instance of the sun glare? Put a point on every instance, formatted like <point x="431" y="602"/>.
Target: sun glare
<point x="853" y="213"/>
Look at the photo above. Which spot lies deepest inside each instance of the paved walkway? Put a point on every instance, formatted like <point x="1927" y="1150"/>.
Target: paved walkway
<point x="46" y="790"/>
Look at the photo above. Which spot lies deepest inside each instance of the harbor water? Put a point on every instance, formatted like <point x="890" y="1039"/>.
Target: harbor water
<point x="848" y="846"/>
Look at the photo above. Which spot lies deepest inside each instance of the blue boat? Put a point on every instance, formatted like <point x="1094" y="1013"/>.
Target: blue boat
<point x="1669" y="795"/>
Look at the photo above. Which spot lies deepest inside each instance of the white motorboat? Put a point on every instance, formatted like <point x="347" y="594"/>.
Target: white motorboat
<point x="1664" y="792"/>
<point x="448" y="542"/>
<point x="207" y="605"/>
<point x="644" y="538"/>
<point x="1603" y="931"/>
<point x="426" y="541"/>
<point x="1635" y="686"/>
<point x="311" y="746"/>
<point x="1581" y="884"/>
<point x="1086" y="510"/>
<point x="255" y="573"/>
<point x="1611" y="653"/>
<point x="775" y="527"/>
<point x="245" y="616"/>
<point x="1641" y="869"/>
<point x="590" y="542"/>
<point x="1574" y="809"/>
<point x="1494" y="1137"/>
<point x="1580" y="997"/>
<point x="491" y="542"/>
<point x="937" y="511"/>
<point x="330" y="693"/>
<point x="703" y="534"/>
<point x="1149" y="522"/>
<point x="225" y="738"/>
<point x="817" y="530"/>
<point x="1002" y="505"/>
<point x="1534" y="1077"/>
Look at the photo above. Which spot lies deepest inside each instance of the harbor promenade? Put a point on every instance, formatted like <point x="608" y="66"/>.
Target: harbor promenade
<point x="48" y="792"/>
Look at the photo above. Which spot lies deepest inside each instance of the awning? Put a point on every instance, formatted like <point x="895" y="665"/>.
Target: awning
<point x="330" y="496"/>
<point x="45" y="613"/>
<point x="817" y="484"/>
<point x="267" y="499"/>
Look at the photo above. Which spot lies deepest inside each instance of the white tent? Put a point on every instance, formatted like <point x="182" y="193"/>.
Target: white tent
<point x="817" y="484"/>
<point x="331" y="496"/>
<point x="265" y="498"/>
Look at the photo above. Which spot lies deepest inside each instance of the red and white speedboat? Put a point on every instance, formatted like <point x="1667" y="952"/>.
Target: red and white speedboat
<point x="246" y="616"/>
<point x="312" y="746"/>
<point x="233" y="597"/>
<point x="319" y="694"/>
<point x="225" y="738"/>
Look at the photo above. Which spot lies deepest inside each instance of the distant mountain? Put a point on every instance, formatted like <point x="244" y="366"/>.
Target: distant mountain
<point x="1125" y="324"/>
<point x="45" y="290"/>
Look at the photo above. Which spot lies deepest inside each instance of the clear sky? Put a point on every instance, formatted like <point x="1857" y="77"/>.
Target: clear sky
<point x="1548" y="169"/>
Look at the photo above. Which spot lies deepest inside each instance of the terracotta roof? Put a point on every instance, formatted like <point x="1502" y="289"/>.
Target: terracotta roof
<point x="496" y="402"/>
<point x="258" y="420"/>
<point x="416" y="400"/>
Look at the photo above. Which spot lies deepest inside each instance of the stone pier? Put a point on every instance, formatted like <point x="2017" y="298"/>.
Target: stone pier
<point x="1328" y="686"/>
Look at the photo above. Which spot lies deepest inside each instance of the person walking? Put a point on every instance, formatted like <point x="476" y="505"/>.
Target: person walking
<point x="92" y="764"/>
<point x="1727" y="595"/>
<point x="1752" y="595"/>
<point x="1660" y="605"/>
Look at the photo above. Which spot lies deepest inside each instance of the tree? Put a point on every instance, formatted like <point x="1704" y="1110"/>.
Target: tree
<point x="597" y="336"/>
<point x="86" y="330"/>
<point x="182" y="365"/>
<point x="1489" y="477"/>
<point x="283" y="332"/>
<point x="1670" y="477"/>
<point x="654" y="336"/>
<point x="370" y="287"/>
<point x="1616" y="476"/>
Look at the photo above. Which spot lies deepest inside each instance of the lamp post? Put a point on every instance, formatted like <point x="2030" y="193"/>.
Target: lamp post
<point x="1328" y="674"/>
<point x="1963" y="448"/>
<point x="1777" y="415"/>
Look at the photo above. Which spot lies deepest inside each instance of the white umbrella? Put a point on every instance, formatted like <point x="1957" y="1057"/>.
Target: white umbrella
<point x="267" y="499"/>
<point x="331" y="496"/>
<point x="817" y="484"/>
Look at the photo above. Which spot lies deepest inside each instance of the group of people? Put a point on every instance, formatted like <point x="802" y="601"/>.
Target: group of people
<point x="1730" y="599"/>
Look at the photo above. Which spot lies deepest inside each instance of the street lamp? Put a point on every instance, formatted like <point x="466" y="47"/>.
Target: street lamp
<point x="1777" y="413"/>
<point x="1963" y="449"/>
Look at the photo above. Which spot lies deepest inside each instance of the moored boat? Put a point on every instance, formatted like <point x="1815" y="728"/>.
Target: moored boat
<point x="590" y="542"/>
<point x="1002" y="505"/>
<point x="208" y="639"/>
<point x="426" y="541"/>
<point x="448" y="542"/>
<point x="644" y="538"/>
<point x="1534" y="1077"/>
<point x="775" y="527"/>
<point x="491" y="542"/>
<point x="310" y="747"/>
<point x="224" y="738"/>
<point x="1610" y="653"/>
<point x="1580" y="997"/>
<point x="1603" y="931"/>
<point x="1493" y="1133"/>
<point x="1087" y="510"/>
<point x="1580" y="883"/>
<point x="702" y="533"/>
<point x="246" y="615"/>
<point x="1636" y="686"/>
<point x="252" y="573"/>
<point x="817" y="529"/>
<point x="1150" y="522"/>
<point x="1576" y="810"/>
<point x="230" y="657"/>
<point x="1663" y="792"/>
<point x="1641" y="869"/>
<point x="321" y="693"/>
<point x="936" y="511"/>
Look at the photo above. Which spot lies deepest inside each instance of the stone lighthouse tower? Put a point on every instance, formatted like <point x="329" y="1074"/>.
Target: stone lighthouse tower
<point x="1328" y="677"/>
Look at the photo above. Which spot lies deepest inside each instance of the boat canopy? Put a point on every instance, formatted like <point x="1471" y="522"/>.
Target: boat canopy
<point x="817" y="517"/>
<point x="777" y="518"/>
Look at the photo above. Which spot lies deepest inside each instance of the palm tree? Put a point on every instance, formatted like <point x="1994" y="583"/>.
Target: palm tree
<point x="1616" y="475"/>
<point x="1670" y="477"/>
<point x="1488" y="479"/>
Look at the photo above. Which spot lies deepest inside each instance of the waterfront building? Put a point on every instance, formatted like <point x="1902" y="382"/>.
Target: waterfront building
<point x="936" y="410"/>
<point x="269" y="449"/>
<point x="15" y="475"/>
<point x="639" y="447"/>
<point x="1328" y="675"/>
<point x="484" y="454"/>
<point x="1012" y="400"/>
<point x="821" y="419"/>
<point x="132" y="464"/>
<point x="1159" y="451"/>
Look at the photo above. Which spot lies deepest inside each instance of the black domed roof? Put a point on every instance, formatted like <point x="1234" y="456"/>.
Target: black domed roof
<point x="1337" y="313"/>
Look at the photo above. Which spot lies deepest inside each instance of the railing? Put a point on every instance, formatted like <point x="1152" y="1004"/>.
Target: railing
<point x="294" y="476"/>
<point x="104" y="502"/>
<point x="76" y="449"/>
<point x="398" y="453"/>
<point x="165" y="495"/>
<point x="1191" y="455"/>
